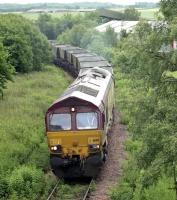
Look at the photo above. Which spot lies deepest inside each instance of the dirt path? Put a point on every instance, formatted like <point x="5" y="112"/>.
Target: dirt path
<point x="111" y="171"/>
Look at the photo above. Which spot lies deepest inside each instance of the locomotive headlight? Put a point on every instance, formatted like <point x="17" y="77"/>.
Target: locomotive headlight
<point x="94" y="146"/>
<point x="54" y="148"/>
<point x="72" y="109"/>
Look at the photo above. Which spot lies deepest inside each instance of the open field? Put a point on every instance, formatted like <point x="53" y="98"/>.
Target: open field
<point x="145" y="13"/>
<point x="34" y="16"/>
<point x="148" y="13"/>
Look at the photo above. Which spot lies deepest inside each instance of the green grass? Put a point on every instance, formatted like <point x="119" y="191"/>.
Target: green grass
<point x="169" y="74"/>
<point x="23" y="145"/>
<point x="145" y="13"/>
<point x="34" y="16"/>
<point x="70" y="192"/>
<point x="148" y="13"/>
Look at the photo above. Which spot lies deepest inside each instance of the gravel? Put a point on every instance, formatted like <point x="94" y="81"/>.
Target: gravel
<point x="112" y="169"/>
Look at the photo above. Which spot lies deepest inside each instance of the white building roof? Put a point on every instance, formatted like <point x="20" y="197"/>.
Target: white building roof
<point x="117" y="26"/>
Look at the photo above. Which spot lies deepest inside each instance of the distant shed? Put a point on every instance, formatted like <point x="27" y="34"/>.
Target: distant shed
<point x="110" y="14"/>
<point x="118" y="26"/>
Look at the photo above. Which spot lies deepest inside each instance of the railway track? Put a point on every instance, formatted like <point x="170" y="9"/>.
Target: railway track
<point x="85" y="197"/>
<point x="53" y="190"/>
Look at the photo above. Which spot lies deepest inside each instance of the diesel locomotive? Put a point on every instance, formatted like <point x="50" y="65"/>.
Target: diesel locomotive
<point x="78" y="122"/>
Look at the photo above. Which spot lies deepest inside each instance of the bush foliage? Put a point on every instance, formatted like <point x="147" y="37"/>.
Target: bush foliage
<point x="6" y="69"/>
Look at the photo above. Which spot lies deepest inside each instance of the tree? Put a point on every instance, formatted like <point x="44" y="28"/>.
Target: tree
<point x="66" y="22"/>
<point x="73" y="36"/>
<point x="131" y="14"/>
<point x="110" y="37"/>
<point x="6" y="70"/>
<point x="47" y="26"/>
<point x="28" y="48"/>
<point x="20" y="56"/>
<point x="168" y="8"/>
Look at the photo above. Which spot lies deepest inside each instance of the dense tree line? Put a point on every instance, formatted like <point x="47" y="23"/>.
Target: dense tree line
<point x="53" y="27"/>
<point x="23" y="48"/>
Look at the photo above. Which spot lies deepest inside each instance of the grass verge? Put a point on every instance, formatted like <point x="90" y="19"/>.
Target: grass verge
<point x="23" y="148"/>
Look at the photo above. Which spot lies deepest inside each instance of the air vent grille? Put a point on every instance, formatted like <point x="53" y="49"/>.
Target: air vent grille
<point x="87" y="90"/>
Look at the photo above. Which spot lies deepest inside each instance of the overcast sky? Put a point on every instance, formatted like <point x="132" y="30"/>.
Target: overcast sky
<point x="71" y="1"/>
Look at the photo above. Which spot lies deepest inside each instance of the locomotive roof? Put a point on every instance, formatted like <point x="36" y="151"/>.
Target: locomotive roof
<point x="91" y="87"/>
<point x="108" y="68"/>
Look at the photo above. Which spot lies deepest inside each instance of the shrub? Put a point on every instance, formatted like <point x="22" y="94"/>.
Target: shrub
<point x="6" y="70"/>
<point x="122" y="192"/>
<point x="24" y="182"/>
<point x="160" y="191"/>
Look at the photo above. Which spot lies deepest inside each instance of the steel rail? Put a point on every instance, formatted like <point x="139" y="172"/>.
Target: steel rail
<point x="88" y="190"/>
<point x="54" y="189"/>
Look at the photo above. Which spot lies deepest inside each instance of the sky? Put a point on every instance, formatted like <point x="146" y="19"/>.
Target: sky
<point x="124" y="2"/>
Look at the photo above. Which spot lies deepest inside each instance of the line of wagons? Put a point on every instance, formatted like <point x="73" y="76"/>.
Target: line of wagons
<point x="77" y="60"/>
<point x="78" y="122"/>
